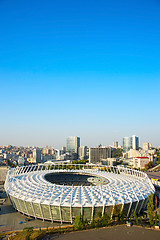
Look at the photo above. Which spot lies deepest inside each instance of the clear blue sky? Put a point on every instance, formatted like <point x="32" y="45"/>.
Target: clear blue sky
<point x="83" y="68"/>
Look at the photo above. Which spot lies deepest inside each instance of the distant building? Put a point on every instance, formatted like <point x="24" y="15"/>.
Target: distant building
<point x="127" y="144"/>
<point x="115" y="144"/>
<point x="22" y="161"/>
<point x="73" y="144"/>
<point x="133" y="153"/>
<point x="147" y="146"/>
<point x="130" y="143"/>
<point x="36" y="156"/>
<point x="109" y="162"/>
<point x="7" y="155"/>
<point x="96" y="155"/>
<point x="48" y="157"/>
<point x="135" y="142"/>
<point x="48" y="150"/>
<point x="139" y="162"/>
<point x="31" y="160"/>
<point x="82" y="152"/>
<point x="64" y="149"/>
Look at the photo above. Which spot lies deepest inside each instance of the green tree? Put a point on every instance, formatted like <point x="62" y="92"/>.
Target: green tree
<point x="51" y="168"/>
<point x="117" y="212"/>
<point x="158" y="160"/>
<point x="78" y="222"/>
<point x="150" y="209"/>
<point x="105" y="220"/>
<point x="92" y="225"/>
<point x="98" y="220"/>
<point x="141" y="222"/>
<point x="156" y="219"/>
<point x="159" y="216"/>
<point x="148" y="165"/>
<point x="135" y="217"/>
<point x="116" y="153"/>
<point x="102" y="220"/>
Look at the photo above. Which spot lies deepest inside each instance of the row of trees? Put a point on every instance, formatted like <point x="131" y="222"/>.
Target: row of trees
<point x="154" y="218"/>
<point x="100" y="221"/>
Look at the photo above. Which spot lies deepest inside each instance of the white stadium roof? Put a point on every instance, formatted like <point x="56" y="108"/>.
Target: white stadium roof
<point x="123" y="186"/>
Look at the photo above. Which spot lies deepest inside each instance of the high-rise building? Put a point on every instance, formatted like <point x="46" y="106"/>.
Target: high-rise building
<point x="135" y="142"/>
<point x="73" y="144"/>
<point x="96" y="155"/>
<point x="82" y="152"/>
<point x="115" y="144"/>
<point x="127" y="144"/>
<point x="37" y="156"/>
<point x="130" y="143"/>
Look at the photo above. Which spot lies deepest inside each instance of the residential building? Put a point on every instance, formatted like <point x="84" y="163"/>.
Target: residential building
<point x="139" y="162"/>
<point x="48" y="150"/>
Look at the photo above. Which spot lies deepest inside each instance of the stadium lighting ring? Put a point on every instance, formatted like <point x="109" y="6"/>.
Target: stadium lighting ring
<point x="110" y="190"/>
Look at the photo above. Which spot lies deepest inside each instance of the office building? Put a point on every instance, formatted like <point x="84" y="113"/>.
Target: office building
<point x="73" y="143"/>
<point x="135" y="142"/>
<point x="130" y="143"/>
<point x="127" y="144"/>
<point x="96" y="155"/>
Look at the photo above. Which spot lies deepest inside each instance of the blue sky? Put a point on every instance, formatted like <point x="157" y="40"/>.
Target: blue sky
<point x="89" y="69"/>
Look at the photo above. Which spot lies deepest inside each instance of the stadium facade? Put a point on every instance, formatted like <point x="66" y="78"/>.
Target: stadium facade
<point x="61" y="192"/>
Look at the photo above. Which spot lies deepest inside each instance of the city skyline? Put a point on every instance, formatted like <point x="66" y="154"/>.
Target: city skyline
<point x="79" y="69"/>
<point x="119" y="143"/>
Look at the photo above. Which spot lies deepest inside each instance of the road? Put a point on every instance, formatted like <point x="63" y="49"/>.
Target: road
<point x="155" y="175"/>
<point x="112" y="233"/>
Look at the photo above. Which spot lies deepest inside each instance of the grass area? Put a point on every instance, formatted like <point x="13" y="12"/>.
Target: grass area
<point x="30" y="233"/>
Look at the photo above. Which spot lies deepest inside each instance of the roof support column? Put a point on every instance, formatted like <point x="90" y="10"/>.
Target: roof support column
<point x="50" y="213"/>
<point x="92" y="217"/>
<point x="41" y="211"/>
<point x="60" y="213"/>
<point x="129" y="208"/>
<point x="33" y="210"/>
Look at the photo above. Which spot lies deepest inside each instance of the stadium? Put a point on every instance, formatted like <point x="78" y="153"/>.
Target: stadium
<point x="60" y="192"/>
